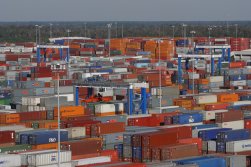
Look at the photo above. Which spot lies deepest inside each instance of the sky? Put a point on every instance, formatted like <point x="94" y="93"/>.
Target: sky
<point x="125" y="10"/>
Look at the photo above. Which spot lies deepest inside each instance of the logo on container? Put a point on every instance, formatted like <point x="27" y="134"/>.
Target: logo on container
<point x="246" y="145"/>
<point x="191" y="120"/>
<point x="2" y="162"/>
<point x="53" y="158"/>
<point x="52" y="140"/>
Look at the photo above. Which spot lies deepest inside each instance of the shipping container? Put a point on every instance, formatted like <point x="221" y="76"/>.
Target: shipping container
<point x="10" y="160"/>
<point x="82" y="147"/>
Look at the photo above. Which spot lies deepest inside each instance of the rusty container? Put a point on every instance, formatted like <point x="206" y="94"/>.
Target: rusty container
<point x="107" y="128"/>
<point x="229" y="116"/>
<point x="7" y="137"/>
<point x="82" y="147"/>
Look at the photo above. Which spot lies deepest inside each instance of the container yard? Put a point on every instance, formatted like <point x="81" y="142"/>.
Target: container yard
<point x="139" y="102"/>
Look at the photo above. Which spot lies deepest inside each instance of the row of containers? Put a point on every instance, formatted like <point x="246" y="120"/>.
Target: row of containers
<point x="213" y="124"/>
<point x="152" y="139"/>
<point x="165" y="48"/>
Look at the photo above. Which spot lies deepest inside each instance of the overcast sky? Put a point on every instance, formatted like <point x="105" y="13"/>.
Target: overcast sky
<point x="124" y="10"/>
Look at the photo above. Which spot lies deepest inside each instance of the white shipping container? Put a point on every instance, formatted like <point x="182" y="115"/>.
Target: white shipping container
<point x="115" y="77"/>
<point x="24" y="155"/>
<point x="2" y="78"/>
<point x="12" y="78"/>
<point x="3" y="68"/>
<point x="238" y="83"/>
<point x="241" y="103"/>
<point x="76" y="132"/>
<point x="193" y="76"/>
<point x="48" y="158"/>
<point x="24" y="100"/>
<point x="33" y="101"/>
<point x="238" y="146"/>
<point x="119" y="70"/>
<point x="47" y="79"/>
<point x="211" y="145"/>
<point x="209" y="115"/>
<point x="233" y="124"/>
<point x="205" y="99"/>
<point x="68" y="164"/>
<point x="216" y="79"/>
<point x="95" y="160"/>
<point x="10" y="160"/>
<point x="12" y="127"/>
<point x="104" y="108"/>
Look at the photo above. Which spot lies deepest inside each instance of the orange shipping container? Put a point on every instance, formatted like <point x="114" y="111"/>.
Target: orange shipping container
<point x="203" y="81"/>
<point x="45" y="146"/>
<point x="9" y="118"/>
<point x="223" y="98"/>
<point x="48" y="124"/>
<point x="69" y="111"/>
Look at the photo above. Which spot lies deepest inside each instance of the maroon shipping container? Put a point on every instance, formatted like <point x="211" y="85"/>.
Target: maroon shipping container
<point x="142" y="121"/>
<point x="32" y="116"/>
<point x="229" y="116"/>
<point x="184" y="132"/>
<point x="7" y="137"/>
<point x="107" y="128"/>
<point x="159" y="138"/>
<point x="221" y="106"/>
<point x="82" y="147"/>
<point x="178" y="151"/>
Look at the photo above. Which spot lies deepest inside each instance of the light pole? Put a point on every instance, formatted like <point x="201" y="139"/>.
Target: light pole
<point x="122" y="29"/>
<point x="39" y="39"/>
<point x="209" y="37"/>
<point x="173" y="38"/>
<point x="36" y="32"/>
<point x="193" y="33"/>
<point x="68" y="50"/>
<point x="116" y="26"/>
<point x="109" y="26"/>
<point x="57" y="68"/>
<point x="160" y="87"/>
<point x="184" y="28"/>
<point x="85" y="30"/>
<point x="236" y="31"/>
<point x="51" y="30"/>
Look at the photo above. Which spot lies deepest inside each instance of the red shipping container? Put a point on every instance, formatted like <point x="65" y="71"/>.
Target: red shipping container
<point x="217" y="106"/>
<point x="247" y="124"/>
<point x="184" y="132"/>
<point x="107" y="128"/>
<point x="32" y="116"/>
<point x="82" y="147"/>
<point x="161" y="117"/>
<point x="197" y="141"/>
<point x="239" y="64"/>
<point x="7" y="137"/>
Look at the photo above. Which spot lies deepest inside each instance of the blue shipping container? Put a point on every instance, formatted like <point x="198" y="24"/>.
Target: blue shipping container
<point x="233" y="135"/>
<point x="119" y="149"/>
<point x="245" y="98"/>
<point x="182" y="42"/>
<point x="204" y="162"/>
<point x="204" y="126"/>
<point x="137" y="153"/>
<point x="188" y="118"/>
<point x="47" y="137"/>
<point x="237" y="77"/>
<point x="211" y="134"/>
<point x="220" y="147"/>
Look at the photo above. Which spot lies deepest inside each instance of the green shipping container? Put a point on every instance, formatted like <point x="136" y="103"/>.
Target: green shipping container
<point x="5" y="101"/>
<point x="16" y="148"/>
